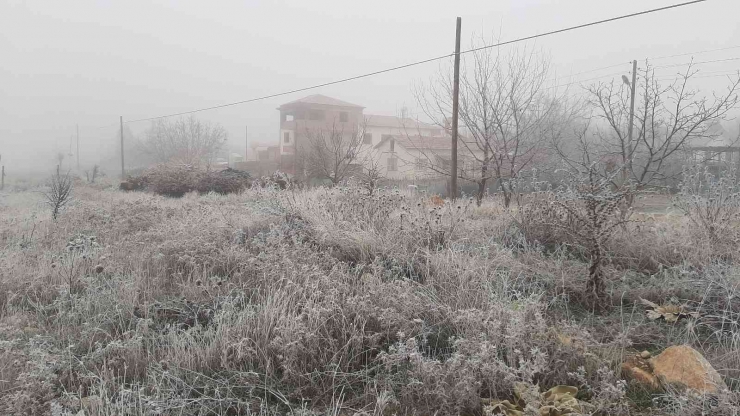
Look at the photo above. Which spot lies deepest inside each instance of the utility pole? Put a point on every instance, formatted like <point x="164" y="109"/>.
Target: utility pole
<point x="78" y="147"/>
<point x="632" y="116"/>
<point x="455" y="96"/>
<point x="123" y="172"/>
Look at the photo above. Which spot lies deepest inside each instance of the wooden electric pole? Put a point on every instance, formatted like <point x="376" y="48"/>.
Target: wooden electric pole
<point x="455" y="96"/>
<point x="78" y="147"/>
<point x="123" y="172"/>
<point x="632" y="116"/>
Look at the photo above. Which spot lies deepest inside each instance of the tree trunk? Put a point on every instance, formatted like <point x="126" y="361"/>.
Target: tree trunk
<point x="481" y="192"/>
<point x="595" y="287"/>
<point x="506" y="192"/>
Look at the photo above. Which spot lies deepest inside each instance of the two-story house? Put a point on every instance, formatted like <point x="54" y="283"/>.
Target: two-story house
<point x="299" y="118"/>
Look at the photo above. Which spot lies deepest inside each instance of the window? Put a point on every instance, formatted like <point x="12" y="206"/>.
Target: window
<point x="289" y="117"/>
<point x="367" y="138"/>
<point x="315" y="115"/>
<point x="286" y="137"/>
<point x="343" y="116"/>
<point x="393" y="145"/>
<point x="392" y="164"/>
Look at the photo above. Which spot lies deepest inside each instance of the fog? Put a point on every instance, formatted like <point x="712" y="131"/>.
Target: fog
<point x="87" y="63"/>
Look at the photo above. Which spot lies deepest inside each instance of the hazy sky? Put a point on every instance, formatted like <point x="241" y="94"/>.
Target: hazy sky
<point x="87" y="62"/>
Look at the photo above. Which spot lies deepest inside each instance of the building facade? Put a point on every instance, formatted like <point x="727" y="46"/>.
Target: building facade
<point x="301" y="118"/>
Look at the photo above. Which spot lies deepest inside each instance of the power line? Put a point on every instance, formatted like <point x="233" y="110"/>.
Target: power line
<point x="728" y="74"/>
<point x="264" y="97"/>
<point x="422" y="62"/>
<point x="591" y="70"/>
<point x="708" y="72"/>
<point x="659" y="78"/>
<point x="696" y="53"/>
<point x="598" y="22"/>
<point x="584" y="80"/>
<point x="696" y="63"/>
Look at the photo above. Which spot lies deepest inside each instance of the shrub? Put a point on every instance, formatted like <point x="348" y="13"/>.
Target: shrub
<point x="712" y="204"/>
<point x="175" y="180"/>
<point x="59" y="193"/>
<point x="228" y="181"/>
<point x="588" y="211"/>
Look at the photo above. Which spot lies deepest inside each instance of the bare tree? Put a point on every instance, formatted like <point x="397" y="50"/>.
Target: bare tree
<point x="506" y="115"/>
<point x="59" y="193"/>
<point x="333" y="153"/>
<point x="667" y="120"/>
<point x="185" y="140"/>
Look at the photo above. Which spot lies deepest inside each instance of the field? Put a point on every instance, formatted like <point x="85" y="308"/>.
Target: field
<point x="333" y="302"/>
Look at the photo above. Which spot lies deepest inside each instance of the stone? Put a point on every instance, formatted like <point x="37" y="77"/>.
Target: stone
<point x="640" y="370"/>
<point x="645" y="355"/>
<point x="684" y="366"/>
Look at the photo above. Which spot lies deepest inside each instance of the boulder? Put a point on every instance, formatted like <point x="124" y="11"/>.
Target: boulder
<point x="639" y="369"/>
<point x="684" y="366"/>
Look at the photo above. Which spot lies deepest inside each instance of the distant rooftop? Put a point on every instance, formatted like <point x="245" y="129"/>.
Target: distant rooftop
<point x="319" y="99"/>
<point x="420" y="142"/>
<point x="397" y="122"/>
<point x="715" y="136"/>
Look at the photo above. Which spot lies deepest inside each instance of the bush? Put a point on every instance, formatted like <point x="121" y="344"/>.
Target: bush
<point x="712" y="203"/>
<point x="175" y="180"/>
<point x="228" y="181"/>
<point x="59" y="193"/>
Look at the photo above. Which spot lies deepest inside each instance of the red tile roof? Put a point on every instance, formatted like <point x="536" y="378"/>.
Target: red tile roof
<point x="319" y="99"/>
<point x="397" y="122"/>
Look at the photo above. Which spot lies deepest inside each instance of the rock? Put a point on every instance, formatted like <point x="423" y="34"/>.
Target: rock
<point x="99" y="269"/>
<point x="684" y="366"/>
<point x="640" y="370"/>
<point x="645" y="355"/>
<point x="126" y="186"/>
